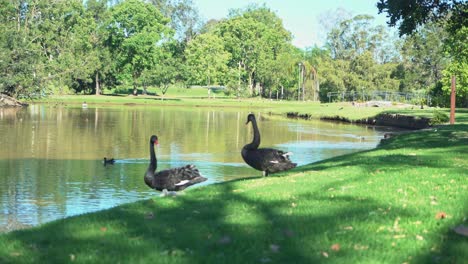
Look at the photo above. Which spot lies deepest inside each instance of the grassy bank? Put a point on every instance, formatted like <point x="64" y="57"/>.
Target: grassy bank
<point x="395" y="204"/>
<point x="313" y="109"/>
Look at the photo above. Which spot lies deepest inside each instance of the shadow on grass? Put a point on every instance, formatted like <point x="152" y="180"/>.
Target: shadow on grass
<point x="431" y="138"/>
<point x="226" y="226"/>
<point x="453" y="247"/>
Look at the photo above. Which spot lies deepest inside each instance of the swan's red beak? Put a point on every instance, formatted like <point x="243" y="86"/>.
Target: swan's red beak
<point x="156" y="142"/>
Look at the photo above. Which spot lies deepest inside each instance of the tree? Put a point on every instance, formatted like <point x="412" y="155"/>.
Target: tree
<point x="46" y="45"/>
<point x="353" y="37"/>
<point x="279" y="74"/>
<point x="451" y="16"/>
<point x="253" y="36"/>
<point x="184" y="17"/>
<point x="206" y="60"/>
<point x="358" y="59"/>
<point x="460" y="70"/>
<point x="97" y="10"/>
<point x="21" y="64"/>
<point x="423" y="57"/>
<point x="413" y="13"/>
<point x="136" y="30"/>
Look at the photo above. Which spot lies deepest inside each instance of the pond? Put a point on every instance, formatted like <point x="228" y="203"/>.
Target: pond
<point x="51" y="157"/>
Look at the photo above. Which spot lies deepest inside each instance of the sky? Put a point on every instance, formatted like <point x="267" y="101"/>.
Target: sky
<point x="300" y="17"/>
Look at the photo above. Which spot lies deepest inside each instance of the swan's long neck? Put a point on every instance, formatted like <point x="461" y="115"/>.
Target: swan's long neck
<point x="256" y="138"/>
<point x="153" y="163"/>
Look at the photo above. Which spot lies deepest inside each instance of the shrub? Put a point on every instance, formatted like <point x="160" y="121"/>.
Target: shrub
<point x="439" y="117"/>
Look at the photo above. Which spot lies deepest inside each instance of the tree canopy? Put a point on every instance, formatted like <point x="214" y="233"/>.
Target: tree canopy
<point x="410" y="14"/>
<point x="448" y="21"/>
<point x="98" y="46"/>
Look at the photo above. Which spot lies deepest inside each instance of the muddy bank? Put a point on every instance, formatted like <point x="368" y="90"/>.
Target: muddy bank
<point x="8" y="101"/>
<point x="393" y="120"/>
<point x="403" y="121"/>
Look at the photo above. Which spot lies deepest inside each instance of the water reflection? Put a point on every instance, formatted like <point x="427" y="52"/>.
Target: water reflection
<point x="51" y="158"/>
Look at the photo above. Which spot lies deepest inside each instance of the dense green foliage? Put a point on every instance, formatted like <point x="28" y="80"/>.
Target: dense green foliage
<point x="438" y="33"/>
<point x="413" y="13"/>
<point x="395" y="204"/>
<point x="92" y="47"/>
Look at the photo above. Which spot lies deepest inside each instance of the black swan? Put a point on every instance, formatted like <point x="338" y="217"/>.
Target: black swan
<point x="108" y="161"/>
<point x="174" y="179"/>
<point x="267" y="160"/>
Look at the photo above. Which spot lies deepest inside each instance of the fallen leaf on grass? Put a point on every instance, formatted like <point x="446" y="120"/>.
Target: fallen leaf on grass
<point x="15" y="254"/>
<point x="103" y="229"/>
<point x="335" y="247"/>
<point x="348" y="228"/>
<point x="440" y="215"/>
<point x="461" y="230"/>
<point x="325" y="254"/>
<point x="72" y="257"/>
<point x="418" y="237"/>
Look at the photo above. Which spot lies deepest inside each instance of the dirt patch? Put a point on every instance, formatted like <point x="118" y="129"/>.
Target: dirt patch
<point x="8" y="101"/>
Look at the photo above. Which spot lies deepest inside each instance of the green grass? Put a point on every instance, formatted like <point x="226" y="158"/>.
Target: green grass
<point x="377" y="206"/>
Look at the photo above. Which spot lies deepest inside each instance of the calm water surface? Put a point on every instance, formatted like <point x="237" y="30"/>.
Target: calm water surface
<point x="51" y="158"/>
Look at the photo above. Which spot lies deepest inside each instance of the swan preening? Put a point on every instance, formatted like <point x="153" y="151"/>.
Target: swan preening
<point x="174" y="179"/>
<point x="267" y="160"/>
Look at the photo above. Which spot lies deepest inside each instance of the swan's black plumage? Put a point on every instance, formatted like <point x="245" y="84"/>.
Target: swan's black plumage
<point x="174" y="179"/>
<point x="267" y="160"/>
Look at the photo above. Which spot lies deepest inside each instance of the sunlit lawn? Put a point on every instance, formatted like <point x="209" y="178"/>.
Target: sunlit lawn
<point x="395" y="204"/>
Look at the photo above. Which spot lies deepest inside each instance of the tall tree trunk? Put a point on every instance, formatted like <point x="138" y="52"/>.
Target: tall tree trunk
<point x="98" y="91"/>
<point x="251" y="83"/>
<point x="145" y="90"/>
<point x="135" y="89"/>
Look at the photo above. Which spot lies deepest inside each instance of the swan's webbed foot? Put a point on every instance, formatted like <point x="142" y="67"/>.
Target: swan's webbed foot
<point x="165" y="192"/>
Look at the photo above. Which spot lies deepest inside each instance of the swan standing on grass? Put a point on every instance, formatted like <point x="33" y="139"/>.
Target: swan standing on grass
<point x="174" y="179"/>
<point x="267" y="160"/>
